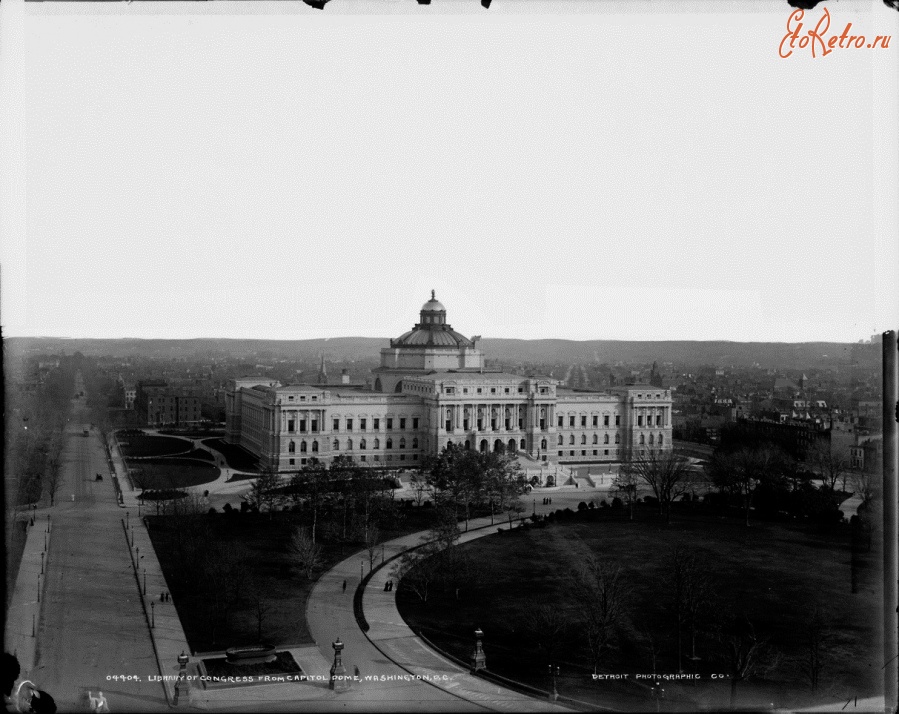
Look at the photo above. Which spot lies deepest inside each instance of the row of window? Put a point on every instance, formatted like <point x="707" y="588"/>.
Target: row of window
<point x="292" y="424"/>
<point x="363" y="445"/>
<point x="652" y="439"/>
<point x="364" y="458"/>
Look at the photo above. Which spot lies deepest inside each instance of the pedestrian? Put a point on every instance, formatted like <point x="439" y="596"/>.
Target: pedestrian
<point x="344" y="585"/>
<point x="386" y="585"/>
<point x="356" y="671"/>
<point x="161" y="597"/>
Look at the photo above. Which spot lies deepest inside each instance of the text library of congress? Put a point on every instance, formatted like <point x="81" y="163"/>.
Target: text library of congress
<point x="431" y="390"/>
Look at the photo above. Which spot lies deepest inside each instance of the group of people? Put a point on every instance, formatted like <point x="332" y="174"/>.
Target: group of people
<point x="165" y="597"/>
<point x="547" y="501"/>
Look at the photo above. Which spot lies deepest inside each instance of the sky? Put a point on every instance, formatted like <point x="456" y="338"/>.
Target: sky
<point x="576" y="170"/>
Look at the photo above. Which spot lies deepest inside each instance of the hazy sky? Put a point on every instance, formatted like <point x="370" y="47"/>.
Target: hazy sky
<point x="550" y="169"/>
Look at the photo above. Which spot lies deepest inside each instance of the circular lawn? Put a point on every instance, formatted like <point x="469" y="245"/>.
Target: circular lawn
<point x="145" y="445"/>
<point x="171" y="473"/>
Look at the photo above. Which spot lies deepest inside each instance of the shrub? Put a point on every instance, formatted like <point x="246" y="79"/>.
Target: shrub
<point x="582" y="506"/>
<point x="592" y="504"/>
<point x="603" y="503"/>
<point x="227" y="508"/>
<point x="212" y="511"/>
<point x="617" y="503"/>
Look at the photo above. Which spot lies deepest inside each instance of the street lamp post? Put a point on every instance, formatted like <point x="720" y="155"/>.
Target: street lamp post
<point x="182" y="688"/>
<point x="42" y="563"/>
<point x="361" y="570"/>
<point x="478" y="658"/>
<point x="145" y="581"/>
<point x="339" y="682"/>
<point x="152" y="613"/>
<point x="554" y="672"/>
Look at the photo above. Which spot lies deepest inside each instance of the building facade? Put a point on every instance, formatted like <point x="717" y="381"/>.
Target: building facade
<point x="432" y="389"/>
<point x="162" y="405"/>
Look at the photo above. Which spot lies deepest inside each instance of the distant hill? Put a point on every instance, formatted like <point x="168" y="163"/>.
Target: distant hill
<point x="783" y="355"/>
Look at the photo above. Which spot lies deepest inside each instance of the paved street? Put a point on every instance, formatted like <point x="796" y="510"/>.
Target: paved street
<point x="92" y="623"/>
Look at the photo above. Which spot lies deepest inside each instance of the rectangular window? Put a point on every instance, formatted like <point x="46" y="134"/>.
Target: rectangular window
<point x="571" y="453"/>
<point x="314" y="427"/>
<point x="377" y="458"/>
<point x="583" y="452"/>
<point x="390" y="457"/>
<point x="290" y="424"/>
<point x="560" y="453"/>
<point x="302" y="425"/>
<point x="377" y="424"/>
<point x="415" y="457"/>
<point x="349" y="424"/>
<point x="449" y="424"/>
<point x="507" y="390"/>
<point x="617" y="420"/>
<point x="480" y="424"/>
<point x="561" y="421"/>
<point x="594" y="452"/>
<point x="605" y="420"/>
<point x="402" y="424"/>
<point x="337" y="425"/>
<point x="302" y="399"/>
<point x="314" y="399"/>
<point x="595" y="421"/>
<point x="521" y="423"/>
<point x="493" y="424"/>
<point x="543" y="424"/>
<point x="479" y="390"/>
<point x="465" y="424"/>
<point x="415" y="422"/>
<point x="292" y="461"/>
<point x="640" y="420"/>
<point x="362" y="458"/>
<point x="493" y="390"/>
<point x="508" y="424"/>
<point x="583" y="421"/>
<point x="658" y="420"/>
<point x="389" y="424"/>
<point x="605" y="452"/>
<point x="402" y="457"/>
<point x="450" y="390"/>
<point x="571" y="422"/>
<point x="362" y="424"/>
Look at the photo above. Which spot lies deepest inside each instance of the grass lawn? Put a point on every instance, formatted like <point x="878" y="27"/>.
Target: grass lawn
<point x="261" y="544"/>
<point x="152" y="445"/>
<point x="773" y="572"/>
<point x="171" y="473"/>
<point x="237" y="457"/>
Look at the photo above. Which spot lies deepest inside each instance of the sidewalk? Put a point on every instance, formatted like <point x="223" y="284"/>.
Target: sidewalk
<point x="23" y="618"/>
<point x="390" y="634"/>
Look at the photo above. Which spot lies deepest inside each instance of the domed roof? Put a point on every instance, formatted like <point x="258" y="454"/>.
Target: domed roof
<point x="432" y="330"/>
<point x="428" y="335"/>
<point x="433" y="305"/>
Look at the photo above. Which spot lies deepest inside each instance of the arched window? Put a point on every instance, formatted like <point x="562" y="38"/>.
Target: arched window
<point x="484" y="446"/>
<point x="415" y="442"/>
<point x="403" y="442"/>
<point x="583" y="439"/>
<point x="314" y="447"/>
<point x="511" y="446"/>
<point x="543" y="444"/>
<point x="642" y="439"/>
<point x="617" y="438"/>
<point x="652" y="439"/>
<point x="291" y="448"/>
<point x="523" y="445"/>
<point x="362" y="444"/>
<point x="605" y="439"/>
<point x="303" y="447"/>
<point x="336" y="445"/>
<point x="377" y="443"/>
<point x="349" y="444"/>
<point x="660" y="439"/>
<point x="561" y="440"/>
<point x="389" y="443"/>
<point x="571" y="440"/>
<point x="595" y="439"/>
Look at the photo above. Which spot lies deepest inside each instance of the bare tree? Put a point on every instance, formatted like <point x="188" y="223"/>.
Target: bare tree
<point x="420" y="487"/>
<point x="690" y="592"/>
<point x="266" y="492"/>
<point x="372" y="538"/>
<point x="669" y="475"/>
<point x="741" y="472"/>
<point x="627" y="487"/>
<point x="865" y="485"/>
<point x="305" y="552"/>
<point x="814" y="632"/>
<point x="418" y="571"/>
<point x="548" y="625"/>
<point x="260" y="607"/>
<point x="600" y="594"/>
<point x="831" y="462"/>
<point x="744" y="653"/>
